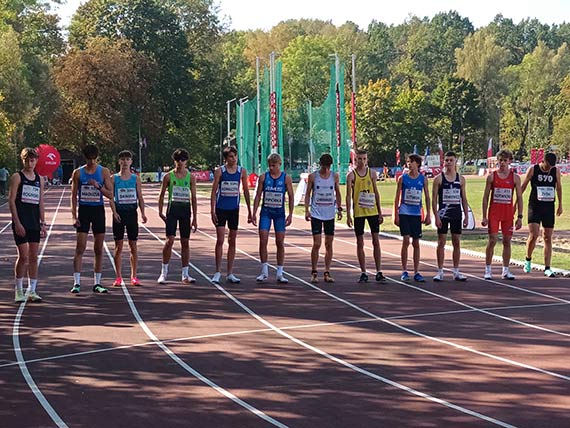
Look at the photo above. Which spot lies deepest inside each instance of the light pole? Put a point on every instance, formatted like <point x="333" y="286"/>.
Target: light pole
<point x="240" y="148"/>
<point x="228" y="118"/>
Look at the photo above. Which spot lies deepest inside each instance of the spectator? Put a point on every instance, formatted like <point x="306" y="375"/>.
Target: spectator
<point x="3" y="179"/>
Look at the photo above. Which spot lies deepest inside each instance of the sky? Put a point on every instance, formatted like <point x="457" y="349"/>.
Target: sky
<point x="264" y="14"/>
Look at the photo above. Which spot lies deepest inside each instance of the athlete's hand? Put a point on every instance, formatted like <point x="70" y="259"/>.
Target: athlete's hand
<point x="427" y="220"/>
<point x="76" y="223"/>
<point x="254" y="220"/>
<point x="289" y="220"/>
<point x="214" y="219"/>
<point x="559" y="211"/>
<point x="117" y="217"/>
<point x="249" y="218"/>
<point x="339" y="215"/>
<point x="397" y="219"/>
<point x="380" y="219"/>
<point x="162" y="216"/>
<point x="94" y="183"/>
<point x="348" y="220"/>
<point x="143" y="217"/>
<point x="465" y="222"/>
<point x="484" y="221"/>
<point x="194" y="224"/>
<point x="307" y="216"/>
<point x="438" y="223"/>
<point x="518" y="224"/>
<point x="19" y="229"/>
<point x="43" y="231"/>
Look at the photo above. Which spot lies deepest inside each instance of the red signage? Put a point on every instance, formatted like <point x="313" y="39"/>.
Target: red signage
<point x="273" y="120"/>
<point x="201" y="175"/>
<point x="48" y="160"/>
<point x="540" y="155"/>
<point x="337" y="117"/>
<point x="533" y="156"/>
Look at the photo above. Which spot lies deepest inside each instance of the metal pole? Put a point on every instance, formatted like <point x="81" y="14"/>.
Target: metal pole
<point x="140" y="149"/>
<point x="241" y="110"/>
<point x="337" y="83"/>
<point x="310" y="113"/>
<point x="228" y="118"/>
<point x="258" y="118"/>
<point x="353" y="102"/>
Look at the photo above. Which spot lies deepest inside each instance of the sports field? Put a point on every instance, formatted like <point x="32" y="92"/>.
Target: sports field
<point x="474" y="354"/>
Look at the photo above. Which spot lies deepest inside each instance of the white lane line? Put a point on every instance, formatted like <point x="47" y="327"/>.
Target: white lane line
<point x="263" y="330"/>
<point x="16" y="340"/>
<point x="339" y="360"/>
<point x="6" y="227"/>
<point x="182" y="363"/>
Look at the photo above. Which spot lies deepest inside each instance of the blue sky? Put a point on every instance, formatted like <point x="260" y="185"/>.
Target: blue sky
<point x="253" y="14"/>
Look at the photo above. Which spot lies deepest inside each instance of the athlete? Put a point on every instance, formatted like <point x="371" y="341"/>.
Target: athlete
<point x="224" y="208"/>
<point x="448" y="198"/>
<point x="272" y="186"/>
<point x="182" y="208"/>
<point x="323" y="193"/>
<point x="127" y="191"/>
<point x="89" y="184"/>
<point x="408" y="213"/>
<point x="546" y="186"/>
<point x="499" y="213"/>
<point x="363" y="198"/>
<point x="28" y="226"/>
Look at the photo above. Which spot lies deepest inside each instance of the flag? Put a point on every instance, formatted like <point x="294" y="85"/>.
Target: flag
<point x="427" y="152"/>
<point x="415" y="149"/>
<point x="490" y="148"/>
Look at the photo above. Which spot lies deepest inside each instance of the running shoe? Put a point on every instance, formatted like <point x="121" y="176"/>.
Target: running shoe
<point x="550" y="273"/>
<point x="314" y="277"/>
<point x="438" y="277"/>
<point x="161" y="279"/>
<point x="281" y="279"/>
<point x="527" y="266"/>
<point x="380" y="277"/>
<point x="488" y="275"/>
<point x="328" y="278"/>
<point x="405" y="276"/>
<point x="135" y="281"/>
<point x="34" y="297"/>
<point x="262" y="277"/>
<point x="216" y="278"/>
<point x="188" y="280"/>
<point x="363" y="277"/>
<point x="118" y="282"/>
<point x="418" y="277"/>
<point x="98" y="288"/>
<point x="459" y="277"/>
<point x="76" y="288"/>
<point x="508" y="275"/>
<point x="232" y="279"/>
<point x="19" y="296"/>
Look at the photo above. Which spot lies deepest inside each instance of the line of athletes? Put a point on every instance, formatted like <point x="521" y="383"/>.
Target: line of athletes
<point x="92" y="182"/>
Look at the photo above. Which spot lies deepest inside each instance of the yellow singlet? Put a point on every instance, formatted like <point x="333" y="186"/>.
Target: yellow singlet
<point x="364" y="199"/>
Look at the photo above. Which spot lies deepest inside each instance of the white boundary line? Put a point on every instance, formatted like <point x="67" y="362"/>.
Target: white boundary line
<point x="16" y="341"/>
<point x="182" y="363"/>
<point x="6" y="227"/>
<point x="339" y="360"/>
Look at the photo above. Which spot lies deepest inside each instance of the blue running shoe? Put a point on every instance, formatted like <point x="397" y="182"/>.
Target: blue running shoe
<point x="405" y="276"/>
<point x="419" y="278"/>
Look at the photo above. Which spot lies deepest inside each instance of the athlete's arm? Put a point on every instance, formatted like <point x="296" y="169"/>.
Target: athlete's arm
<point x="246" y="196"/>
<point x="338" y="197"/>
<point x="518" y="223"/>
<point x="308" y="195"/>
<point x="527" y="178"/>
<point x="435" y="199"/>
<point x="194" y="201"/>
<point x="257" y="198"/>
<point x="163" y="187"/>
<point x="14" y="183"/>
<point x="349" y="186"/>
<point x="107" y="188"/>
<point x="464" y="203"/>
<point x="485" y="203"/>
<point x="427" y="220"/>
<point x="140" y="199"/>
<point x="74" y="187"/>
<point x="291" y="199"/>
<point x="213" y="194"/>
<point x="559" y="193"/>
<point x="396" y="213"/>
<point x="374" y="179"/>
<point x="116" y="215"/>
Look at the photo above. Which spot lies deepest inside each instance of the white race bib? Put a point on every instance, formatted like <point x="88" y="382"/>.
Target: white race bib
<point x="324" y="198"/>
<point x="229" y="189"/>
<point x="181" y="194"/>
<point x="366" y="200"/>
<point x="127" y="195"/>
<point x="545" y="194"/>
<point x="502" y="196"/>
<point x="30" y="194"/>
<point x="273" y="199"/>
<point x="451" y="196"/>
<point x="413" y="197"/>
<point x="90" y="193"/>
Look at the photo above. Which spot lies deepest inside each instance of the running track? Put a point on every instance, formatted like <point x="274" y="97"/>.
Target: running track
<point x="474" y="354"/>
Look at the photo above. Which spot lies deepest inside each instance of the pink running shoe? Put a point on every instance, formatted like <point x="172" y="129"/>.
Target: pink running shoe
<point x="135" y="281"/>
<point x="118" y="282"/>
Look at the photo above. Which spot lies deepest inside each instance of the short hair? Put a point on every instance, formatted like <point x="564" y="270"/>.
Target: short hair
<point x="125" y="154"/>
<point x="29" y="152"/>
<point x="550" y="158"/>
<point x="361" y="152"/>
<point x="449" y="154"/>
<point x="180" y="155"/>
<point x="415" y="158"/>
<point x="90" y="151"/>
<point x="227" y="150"/>
<point x="505" y="154"/>
<point x="326" y="159"/>
<point x="274" y="158"/>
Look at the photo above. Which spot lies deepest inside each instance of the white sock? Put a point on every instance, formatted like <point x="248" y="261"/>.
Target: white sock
<point x="97" y="278"/>
<point x="505" y="270"/>
<point x="165" y="269"/>
<point x="488" y="268"/>
<point x="455" y="270"/>
<point x="279" y="270"/>
<point x="33" y="284"/>
<point x="440" y="271"/>
<point x="185" y="271"/>
<point x="19" y="284"/>
<point x="77" y="278"/>
<point x="265" y="269"/>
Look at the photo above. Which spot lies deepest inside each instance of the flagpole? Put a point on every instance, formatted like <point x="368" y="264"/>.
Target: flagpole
<point x="140" y="150"/>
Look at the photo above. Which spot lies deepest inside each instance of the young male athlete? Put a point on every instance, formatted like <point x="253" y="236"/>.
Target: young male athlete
<point x="323" y="193"/>
<point x="182" y="208"/>
<point x="127" y="191"/>
<point x="546" y="187"/>
<point x="89" y="184"/>
<point x="224" y="208"/>
<point x="363" y="198"/>
<point x="27" y="208"/>
<point x="408" y="213"/>
<point x="499" y="213"/>
<point x="448" y="198"/>
<point x="272" y="186"/>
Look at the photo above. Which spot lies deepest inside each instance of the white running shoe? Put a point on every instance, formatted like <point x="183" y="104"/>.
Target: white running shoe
<point x="438" y="277"/>
<point x="161" y="279"/>
<point x="262" y="277"/>
<point x="231" y="278"/>
<point x="508" y="275"/>
<point x="19" y="296"/>
<point x="488" y="275"/>
<point x="216" y="278"/>
<point x="281" y="279"/>
<point x="459" y="277"/>
<point x="34" y="297"/>
<point x="188" y="280"/>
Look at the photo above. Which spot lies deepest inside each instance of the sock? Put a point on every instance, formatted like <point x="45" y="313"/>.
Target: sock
<point x="77" y="278"/>
<point x="19" y="284"/>
<point x="488" y="268"/>
<point x="279" y="270"/>
<point x="33" y="284"/>
<point x="505" y="270"/>
<point x="546" y="267"/>
<point x="165" y="269"/>
<point x="97" y="278"/>
<point x="455" y="270"/>
<point x="528" y="259"/>
<point x="185" y="271"/>
<point x="265" y="268"/>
